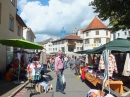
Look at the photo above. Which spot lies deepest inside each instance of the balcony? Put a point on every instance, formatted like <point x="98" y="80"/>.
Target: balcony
<point x="93" y="45"/>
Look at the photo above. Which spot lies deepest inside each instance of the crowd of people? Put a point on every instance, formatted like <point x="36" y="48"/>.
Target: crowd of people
<point x="37" y="67"/>
<point x="73" y="62"/>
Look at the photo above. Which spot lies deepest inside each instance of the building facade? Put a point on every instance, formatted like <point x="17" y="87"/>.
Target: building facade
<point x="11" y="26"/>
<point x="47" y="45"/>
<point x="96" y="34"/>
<point x="68" y="45"/>
<point x="28" y="35"/>
<point x="122" y="34"/>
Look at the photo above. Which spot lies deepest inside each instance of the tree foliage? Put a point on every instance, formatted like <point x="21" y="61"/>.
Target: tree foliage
<point x="117" y="11"/>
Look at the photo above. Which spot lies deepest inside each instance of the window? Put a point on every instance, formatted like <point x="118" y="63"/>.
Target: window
<point x="63" y="42"/>
<point x="87" y="41"/>
<point x="80" y="48"/>
<point x="106" y="32"/>
<point x="77" y="48"/>
<point x="97" y="32"/>
<point x="11" y="23"/>
<point x="12" y="1"/>
<point x="0" y="13"/>
<point x="97" y="40"/>
<point x="129" y="33"/>
<point x="118" y="34"/>
<point x="86" y="33"/>
<point x="107" y="40"/>
<point x="125" y="33"/>
<point x="18" y="31"/>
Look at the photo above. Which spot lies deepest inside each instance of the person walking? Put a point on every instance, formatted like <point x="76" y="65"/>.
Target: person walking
<point x="59" y="68"/>
<point x="72" y="62"/>
<point x="65" y="62"/>
<point x="77" y="66"/>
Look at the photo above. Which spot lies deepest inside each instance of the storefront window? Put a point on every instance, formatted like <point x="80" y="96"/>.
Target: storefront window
<point x="9" y="55"/>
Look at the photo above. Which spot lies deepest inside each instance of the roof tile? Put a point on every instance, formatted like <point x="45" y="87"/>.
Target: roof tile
<point x="95" y="24"/>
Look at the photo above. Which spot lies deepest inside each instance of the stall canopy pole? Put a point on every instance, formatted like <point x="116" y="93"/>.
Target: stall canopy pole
<point x="106" y="54"/>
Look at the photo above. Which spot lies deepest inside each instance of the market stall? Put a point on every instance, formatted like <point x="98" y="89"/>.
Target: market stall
<point x="20" y="43"/>
<point x="107" y="63"/>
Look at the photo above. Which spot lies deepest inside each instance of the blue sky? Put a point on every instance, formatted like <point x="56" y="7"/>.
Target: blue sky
<point x="44" y="2"/>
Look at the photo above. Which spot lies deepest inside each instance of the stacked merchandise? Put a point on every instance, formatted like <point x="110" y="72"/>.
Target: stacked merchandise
<point x="98" y="93"/>
<point x="43" y="87"/>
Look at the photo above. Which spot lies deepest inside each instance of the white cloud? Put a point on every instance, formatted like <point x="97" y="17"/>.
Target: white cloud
<point x="48" y="20"/>
<point x="22" y="3"/>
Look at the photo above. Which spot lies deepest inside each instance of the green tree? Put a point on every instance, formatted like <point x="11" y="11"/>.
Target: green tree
<point x="117" y="11"/>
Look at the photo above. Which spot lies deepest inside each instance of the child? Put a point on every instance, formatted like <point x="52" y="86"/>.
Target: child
<point x="10" y="76"/>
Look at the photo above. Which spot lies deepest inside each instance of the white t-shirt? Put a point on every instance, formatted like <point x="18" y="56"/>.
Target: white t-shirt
<point x="66" y="59"/>
<point x="32" y="68"/>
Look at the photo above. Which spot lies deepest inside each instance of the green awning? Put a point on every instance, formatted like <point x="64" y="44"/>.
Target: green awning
<point x="20" y="43"/>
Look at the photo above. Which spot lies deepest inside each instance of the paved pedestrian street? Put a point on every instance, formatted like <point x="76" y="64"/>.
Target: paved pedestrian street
<point x="74" y="87"/>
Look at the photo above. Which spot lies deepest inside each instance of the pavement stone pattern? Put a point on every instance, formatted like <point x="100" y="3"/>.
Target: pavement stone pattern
<point x="74" y="87"/>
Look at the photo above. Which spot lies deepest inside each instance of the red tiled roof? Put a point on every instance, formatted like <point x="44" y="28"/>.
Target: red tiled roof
<point x="69" y="37"/>
<point x="95" y="24"/>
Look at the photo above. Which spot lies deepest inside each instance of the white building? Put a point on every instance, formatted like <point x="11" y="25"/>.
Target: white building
<point x="96" y="34"/>
<point x="122" y="34"/>
<point x="68" y="44"/>
<point x="47" y="45"/>
<point x="28" y="35"/>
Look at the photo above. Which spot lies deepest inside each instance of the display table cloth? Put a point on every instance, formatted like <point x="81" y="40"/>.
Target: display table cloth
<point x="114" y="85"/>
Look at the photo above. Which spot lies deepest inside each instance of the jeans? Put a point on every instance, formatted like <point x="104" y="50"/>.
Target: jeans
<point x="71" y="66"/>
<point x="77" y="70"/>
<point x="45" y="68"/>
<point x="65" y="64"/>
<point x="59" y="83"/>
<point x="52" y="66"/>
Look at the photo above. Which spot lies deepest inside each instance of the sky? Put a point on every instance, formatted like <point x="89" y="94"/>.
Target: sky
<point x="47" y="17"/>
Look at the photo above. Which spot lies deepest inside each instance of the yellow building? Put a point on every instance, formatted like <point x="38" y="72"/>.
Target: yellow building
<point x="11" y="26"/>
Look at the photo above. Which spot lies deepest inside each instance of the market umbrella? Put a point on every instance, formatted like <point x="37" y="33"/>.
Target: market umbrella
<point x="21" y="44"/>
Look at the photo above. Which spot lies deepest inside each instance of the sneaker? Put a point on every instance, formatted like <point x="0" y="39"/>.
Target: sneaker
<point x="63" y="92"/>
<point x="57" y="90"/>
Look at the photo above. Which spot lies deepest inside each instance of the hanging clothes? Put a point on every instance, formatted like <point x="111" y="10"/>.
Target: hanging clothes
<point x="89" y="59"/>
<point x="119" y="62"/>
<point x="111" y="64"/>
<point x="86" y="59"/>
<point x="126" y="71"/>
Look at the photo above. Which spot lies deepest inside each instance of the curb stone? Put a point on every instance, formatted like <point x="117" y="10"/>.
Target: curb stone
<point x="17" y="90"/>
